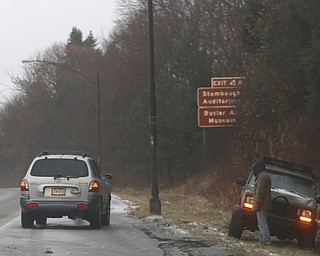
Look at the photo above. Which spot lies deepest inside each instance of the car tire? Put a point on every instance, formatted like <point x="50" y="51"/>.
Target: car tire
<point x="106" y="218"/>
<point x="236" y="224"/>
<point x="96" y="220"/>
<point x="307" y="239"/>
<point x="26" y="220"/>
<point x="41" y="220"/>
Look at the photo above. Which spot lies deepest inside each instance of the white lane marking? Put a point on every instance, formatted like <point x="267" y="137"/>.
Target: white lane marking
<point x="5" y="226"/>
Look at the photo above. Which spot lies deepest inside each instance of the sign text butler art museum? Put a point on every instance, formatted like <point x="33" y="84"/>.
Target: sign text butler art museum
<point x="217" y="104"/>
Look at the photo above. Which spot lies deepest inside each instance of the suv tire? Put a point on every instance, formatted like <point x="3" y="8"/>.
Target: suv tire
<point x="26" y="220"/>
<point x="307" y="239"/>
<point x="41" y="220"/>
<point x="236" y="224"/>
<point x="106" y="216"/>
<point x="96" y="220"/>
<point x="105" y="221"/>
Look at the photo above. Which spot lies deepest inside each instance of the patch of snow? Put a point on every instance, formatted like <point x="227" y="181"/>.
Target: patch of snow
<point x="121" y="206"/>
<point x="195" y="224"/>
<point x="154" y="218"/>
<point x="177" y="231"/>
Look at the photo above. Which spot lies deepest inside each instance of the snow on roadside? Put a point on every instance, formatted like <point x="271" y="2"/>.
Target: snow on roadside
<point x="157" y="225"/>
<point x="119" y="205"/>
<point x="164" y="229"/>
<point x="176" y="240"/>
<point x="197" y="238"/>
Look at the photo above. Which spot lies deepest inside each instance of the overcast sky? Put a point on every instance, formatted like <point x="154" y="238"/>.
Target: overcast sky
<point x="30" y="26"/>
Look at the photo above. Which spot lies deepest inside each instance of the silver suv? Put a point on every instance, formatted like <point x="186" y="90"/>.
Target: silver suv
<point x="61" y="184"/>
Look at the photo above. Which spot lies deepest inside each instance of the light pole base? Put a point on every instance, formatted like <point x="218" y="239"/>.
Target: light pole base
<point x="155" y="205"/>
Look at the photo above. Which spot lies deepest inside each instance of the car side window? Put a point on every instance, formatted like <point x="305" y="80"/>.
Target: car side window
<point x="95" y="169"/>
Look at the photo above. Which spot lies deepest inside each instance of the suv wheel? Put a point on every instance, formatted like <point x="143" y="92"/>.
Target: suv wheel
<point x="96" y="219"/>
<point x="106" y="218"/>
<point x="307" y="239"/>
<point x="236" y="224"/>
<point x="26" y="220"/>
<point x="41" y="220"/>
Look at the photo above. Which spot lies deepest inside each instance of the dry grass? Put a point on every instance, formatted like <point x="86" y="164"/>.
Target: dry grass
<point x="175" y="205"/>
<point x="183" y="209"/>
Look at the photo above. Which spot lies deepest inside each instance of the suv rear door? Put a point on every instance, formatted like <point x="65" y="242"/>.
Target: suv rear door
<point x="59" y="178"/>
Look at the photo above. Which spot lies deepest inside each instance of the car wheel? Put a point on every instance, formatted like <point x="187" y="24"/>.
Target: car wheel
<point x="26" y="220"/>
<point x="236" y="224"/>
<point x="41" y="220"/>
<point x="307" y="239"/>
<point x="106" y="218"/>
<point x="96" y="219"/>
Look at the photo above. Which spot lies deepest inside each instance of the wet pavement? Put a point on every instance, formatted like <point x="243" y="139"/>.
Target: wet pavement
<point x="176" y="242"/>
<point x="125" y="236"/>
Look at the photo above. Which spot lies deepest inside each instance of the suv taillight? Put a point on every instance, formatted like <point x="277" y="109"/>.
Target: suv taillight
<point x="24" y="185"/>
<point x="94" y="186"/>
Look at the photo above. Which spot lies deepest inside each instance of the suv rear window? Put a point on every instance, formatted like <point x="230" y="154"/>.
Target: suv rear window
<point x="59" y="167"/>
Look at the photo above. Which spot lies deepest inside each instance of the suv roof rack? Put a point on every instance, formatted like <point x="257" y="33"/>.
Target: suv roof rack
<point x="63" y="152"/>
<point x="303" y="169"/>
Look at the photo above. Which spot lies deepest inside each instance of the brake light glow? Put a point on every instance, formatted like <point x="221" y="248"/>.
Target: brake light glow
<point x="305" y="215"/>
<point x="82" y="206"/>
<point x="94" y="186"/>
<point x="24" y="185"/>
<point x="33" y="205"/>
<point x="248" y="203"/>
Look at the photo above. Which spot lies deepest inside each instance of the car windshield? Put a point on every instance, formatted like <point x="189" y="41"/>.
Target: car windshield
<point x="293" y="183"/>
<point x="59" y="168"/>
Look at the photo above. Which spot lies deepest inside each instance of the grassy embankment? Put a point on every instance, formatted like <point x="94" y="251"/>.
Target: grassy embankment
<point x="207" y="219"/>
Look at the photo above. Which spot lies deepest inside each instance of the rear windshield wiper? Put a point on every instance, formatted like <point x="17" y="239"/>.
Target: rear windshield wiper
<point x="59" y="175"/>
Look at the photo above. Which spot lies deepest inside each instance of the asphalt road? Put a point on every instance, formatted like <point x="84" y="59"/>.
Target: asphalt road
<point x="67" y="237"/>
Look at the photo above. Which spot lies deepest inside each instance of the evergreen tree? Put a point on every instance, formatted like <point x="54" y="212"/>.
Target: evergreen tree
<point x="90" y="41"/>
<point x="75" y="37"/>
<point x="311" y="56"/>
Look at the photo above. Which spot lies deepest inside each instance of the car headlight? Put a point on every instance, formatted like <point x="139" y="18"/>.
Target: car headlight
<point x="305" y="215"/>
<point x="248" y="203"/>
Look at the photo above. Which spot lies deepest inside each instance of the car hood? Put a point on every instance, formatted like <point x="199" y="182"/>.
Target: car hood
<point x="293" y="198"/>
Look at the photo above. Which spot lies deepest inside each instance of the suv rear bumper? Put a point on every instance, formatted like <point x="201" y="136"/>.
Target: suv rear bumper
<point x="60" y="208"/>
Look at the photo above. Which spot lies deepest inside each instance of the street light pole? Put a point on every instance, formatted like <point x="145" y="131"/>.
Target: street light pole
<point x="155" y="204"/>
<point x="99" y="117"/>
<point x="97" y="83"/>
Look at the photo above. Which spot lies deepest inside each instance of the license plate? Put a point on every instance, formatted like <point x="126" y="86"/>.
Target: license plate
<point x="58" y="191"/>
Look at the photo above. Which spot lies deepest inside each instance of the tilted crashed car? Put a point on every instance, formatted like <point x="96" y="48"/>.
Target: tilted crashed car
<point x="294" y="195"/>
<point x="61" y="184"/>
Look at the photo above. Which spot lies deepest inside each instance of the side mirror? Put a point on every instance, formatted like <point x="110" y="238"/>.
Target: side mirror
<point x="108" y="177"/>
<point x="241" y="182"/>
